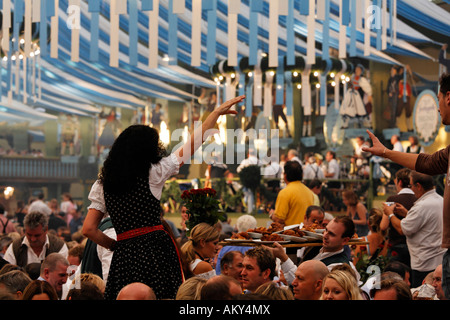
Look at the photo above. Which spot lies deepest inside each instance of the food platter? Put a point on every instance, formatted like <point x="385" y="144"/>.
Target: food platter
<point x="294" y="238"/>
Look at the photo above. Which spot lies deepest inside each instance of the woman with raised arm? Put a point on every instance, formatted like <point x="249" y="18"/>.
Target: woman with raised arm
<point x="128" y="190"/>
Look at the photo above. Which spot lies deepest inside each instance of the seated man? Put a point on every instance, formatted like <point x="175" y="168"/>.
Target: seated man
<point x="259" y="268"/>
<point x="336" y="236"/>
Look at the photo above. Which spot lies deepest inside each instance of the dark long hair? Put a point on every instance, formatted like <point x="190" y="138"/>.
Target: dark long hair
<point x="130" y="157"/>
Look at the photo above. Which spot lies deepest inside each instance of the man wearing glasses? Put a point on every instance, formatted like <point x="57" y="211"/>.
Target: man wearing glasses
<point x="431" y="164"/>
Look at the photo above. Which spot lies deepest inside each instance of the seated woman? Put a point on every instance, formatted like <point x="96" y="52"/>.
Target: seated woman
<point x="376" y="237"/>
<point x="357" y="211"/>
<point x="202" y="246"/>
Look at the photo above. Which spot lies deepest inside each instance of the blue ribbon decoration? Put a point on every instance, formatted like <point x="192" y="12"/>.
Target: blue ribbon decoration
<point x="249" y="97"/>
<point x="147" y="5"/>
<point x="241" y="84"/>
<point x="345" y="12"/>
<point x="211" y="7"/>
<point x="279" y="93"/>
<point x="173" y="35"/>
<point x="94" y="8"/>
<point x="133" y="31"/>
<point x="289" y="92"/>
<point x="304" y="7"/>
<point x="326" y="32"/>
<point x="378" y="4"/>
<point x="290" y="53"/>
<point x="43" y="30"/>
<point x="352" y="51"/>
<point x="323" y="84"/>
<point x="256" y="6"/>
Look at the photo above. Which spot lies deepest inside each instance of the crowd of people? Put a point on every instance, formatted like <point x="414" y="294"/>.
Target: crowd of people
<point x="129" y="251"/>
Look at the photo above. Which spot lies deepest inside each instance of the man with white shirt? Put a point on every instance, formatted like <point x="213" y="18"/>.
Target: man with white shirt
<point x="422" y="227"/>
<point x="312" y="170"/>
<point x="397" y="145"/>
<point x="36" y="245"/>
<point x="332" y="170"/>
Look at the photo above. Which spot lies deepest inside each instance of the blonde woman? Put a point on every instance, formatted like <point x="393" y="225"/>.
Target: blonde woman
<point x="201" y="247"/>
<point x="191" y="289"/>
<point x="275" y="292"/>
<point x="340" y="285"/>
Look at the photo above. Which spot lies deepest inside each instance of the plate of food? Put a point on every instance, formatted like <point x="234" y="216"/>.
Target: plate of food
<point x="255" y="235"/>
<point x="312" y="234"/>
<point x="293" y="226"/>
<point x="271" y="238"/>
<point x="271" y="242"/>
<point x="293" y="238"/>
<point x="240" y="237"/>
<point x="238" y="240"/>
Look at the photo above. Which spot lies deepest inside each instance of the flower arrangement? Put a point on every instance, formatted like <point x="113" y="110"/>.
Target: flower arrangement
<point x="368" y="265"/>
<point x="202" y="206"/>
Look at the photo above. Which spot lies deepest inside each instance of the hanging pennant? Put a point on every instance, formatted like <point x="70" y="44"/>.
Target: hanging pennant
<point x="326" y="31"/>
<point x="27" y="28"/>
<point x="304" y="7"/>
<point x="353" y="27"/>
<point x="94" y="9"/>
<point x="178" y="6"/>
<point x="306" y="90"/>
<point x="257" y="83"/>
<point x="394" y="22"/>
<point x="133" y="32"/>
<point x="153" y="27"/>
<point x="18" y="18"/>
<point x="290" y="52"/>
<point x="211" y="7"/>
<point x="377" y="23"/>
<point x="367" y="28"/>
<point x="146" y="5"/>
<point x="75" y="30"/>
<point x="173" y="33"/>
<point x="249" y="97"/>
<point x="342" y="32"/>
<point x="36" y="10"/>
<point x="233" y="11"/>
<point x="6" y="24"/>
<point x="241" y="85"/>
<point x="256" y="6"/>
<point x="268" y="84"/>
<point x="289" y="92"/>
<point x="273" y="33"/>
<point x="196" y="45"/>
<point x="114" y="35"/>
<point x="384" y="20"/>
<point x="54" y="25"/>
<point x="323" y="88"/>
<point x="311" y="40"/>
<point x="279" y="93"/>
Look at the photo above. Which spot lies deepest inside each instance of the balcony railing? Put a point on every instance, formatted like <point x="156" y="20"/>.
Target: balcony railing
<point x="32" y="169"/>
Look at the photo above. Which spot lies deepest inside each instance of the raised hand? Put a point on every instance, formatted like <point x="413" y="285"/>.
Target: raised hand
<point x="377" y="149"/>
<point x="224" y="108"/>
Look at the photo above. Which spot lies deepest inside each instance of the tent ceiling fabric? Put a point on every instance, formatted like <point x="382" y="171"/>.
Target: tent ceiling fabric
<point x="106" y="59"/>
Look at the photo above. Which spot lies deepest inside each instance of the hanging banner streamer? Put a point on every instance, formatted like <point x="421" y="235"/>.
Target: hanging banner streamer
<point x="289" y="92"/>
<point x="18" y="14"/>
<point x="306" y="90"/>
<point x="279" y="97"/>
<point x="74" y="24"/>
<point x="268" y="94"/>
<point x="326" y="30"/>
<point x="153" y="26"/>
<point x="94" y="9"/>
<point x="304" y="7"/>
<point x="394" y="22"/>
<point x="27" y="31"/>
<point x="367" y="28"/>
<point x="249" y="98"/>
<point x="323" y="88"/>
<point x="311" y="41"/>
<point x="173" y="33"/>
<point x="133" y="32"/>
<point x="53" y="8"/>
<point x="256" y="6"/>
<point x="384" y="18"/>
<point x="257" y="82"/>
<point x="343" y="22"/>
<point x="196" y="45"/>
<point x="273" y="33"/>
<point x="290" y="53"/>
<point x="377" y="12"/>
<point x="234" y="7"/>
<point x="146" y="5"/>
<point x="114" y="35"/>
<point x="241" y="77"/>
<point x="353" y="27"/>
<point x="211" y="7"/>
<point x="6" y="24"/>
